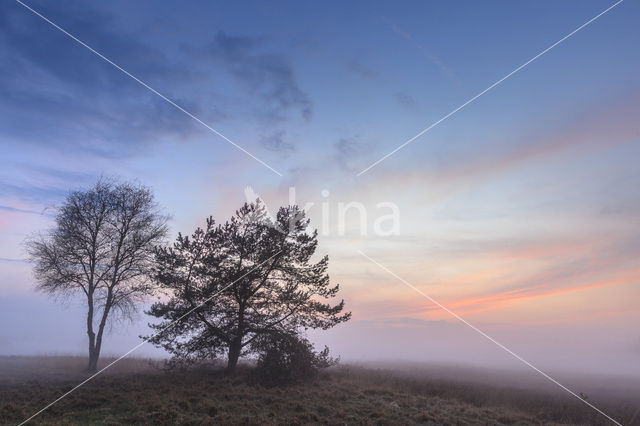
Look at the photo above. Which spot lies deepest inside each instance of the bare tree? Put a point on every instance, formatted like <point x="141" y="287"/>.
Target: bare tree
<point x="233" y="283"/>
<point x="101" y="246"/>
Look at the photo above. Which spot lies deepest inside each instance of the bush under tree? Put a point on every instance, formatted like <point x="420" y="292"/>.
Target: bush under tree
<point x="288" y="359"/>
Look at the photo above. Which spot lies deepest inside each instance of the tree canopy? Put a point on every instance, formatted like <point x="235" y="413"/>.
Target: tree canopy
<point x="230" y="283"/>
<point x="101" y="246"/>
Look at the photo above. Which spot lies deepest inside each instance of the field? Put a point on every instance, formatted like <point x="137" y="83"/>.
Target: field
<point x="137" y="391"/>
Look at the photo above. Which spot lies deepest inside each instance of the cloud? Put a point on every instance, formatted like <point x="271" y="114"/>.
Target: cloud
<point x="57" y="93"/>
<point x="550" y="288"/>
<point x="11" y="260"/>
<point x="36" y="189"/>
<point x="346" y="150"/>
<point x="613" y="122"/>
<point x="489" y="275"/>
<point x="360" y="69"/>
<point x="33" y="194"/>
<point x="276" y="142"/>
<point x="559" y="267"/>
<point x="406" y="101"/>
<point x="18" y="210"/>
<point x="268" y="75"/>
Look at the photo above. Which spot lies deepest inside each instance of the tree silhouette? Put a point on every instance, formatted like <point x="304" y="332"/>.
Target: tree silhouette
<point x="234" y="282"/>
<point x="101" y="246"/>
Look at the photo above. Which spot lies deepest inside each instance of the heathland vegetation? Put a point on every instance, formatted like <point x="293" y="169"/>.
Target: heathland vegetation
<point x="136" y="391"/>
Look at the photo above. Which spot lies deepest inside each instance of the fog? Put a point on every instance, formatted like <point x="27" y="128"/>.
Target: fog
<point x="37" y="325"/>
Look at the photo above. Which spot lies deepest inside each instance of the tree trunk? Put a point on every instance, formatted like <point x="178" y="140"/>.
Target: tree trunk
<point x="97" y="347"/>
<point x="96" y="351"/>
<point x="234" y="354"/>
<point x="93" y="359"/>
<point x="236" y="344"/>
<point x="93" y="362"/>
<point x="94" y="355"/>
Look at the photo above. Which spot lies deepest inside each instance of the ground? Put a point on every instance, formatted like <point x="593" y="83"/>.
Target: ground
<point x="138" y="392"/>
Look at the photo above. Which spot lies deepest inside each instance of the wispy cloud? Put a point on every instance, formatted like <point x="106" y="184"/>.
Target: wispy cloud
<point x="263" y="73"/>
<point x="488" y="275"/>
<point x="347" y="150"/>
<point x="499" y="300"/>
<point x="358" y="68"/>
<point x="406" y="101"/>
<point x="435" y="60"/>
<point x="10" y="260"/>
<point x="449" y="171"/>
<point x="32" y="194"/>
<point x="277" y="141"/>
<point x="512" y="273"/>
<point x="19" y="210"/>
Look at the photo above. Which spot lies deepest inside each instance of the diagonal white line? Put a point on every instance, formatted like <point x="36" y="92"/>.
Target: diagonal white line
<point x="500" y="345"/>
<point x="422" y="132"/>
<point x="146" y="340"/>
<point x="151" y="89"/>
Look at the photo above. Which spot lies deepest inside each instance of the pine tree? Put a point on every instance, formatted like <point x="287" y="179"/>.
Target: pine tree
<point x="230" y="283"/>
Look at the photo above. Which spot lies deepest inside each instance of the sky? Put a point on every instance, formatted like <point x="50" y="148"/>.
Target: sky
<point x="519" y="212"/>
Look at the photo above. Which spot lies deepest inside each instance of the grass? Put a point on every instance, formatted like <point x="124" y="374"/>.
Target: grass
<point x="136" y="392"/>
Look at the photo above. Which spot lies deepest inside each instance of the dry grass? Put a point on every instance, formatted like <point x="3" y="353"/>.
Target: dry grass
<point x="135" y="392"/>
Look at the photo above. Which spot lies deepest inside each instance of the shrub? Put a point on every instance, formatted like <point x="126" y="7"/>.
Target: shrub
<point x="288" y="359"/>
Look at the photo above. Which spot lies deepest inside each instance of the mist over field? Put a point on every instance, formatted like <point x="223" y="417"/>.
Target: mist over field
<point x="567" y="349"/>
<point x="564" y="350"/>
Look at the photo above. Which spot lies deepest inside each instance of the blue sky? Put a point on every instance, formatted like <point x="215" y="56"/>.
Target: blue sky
<point x="532" y="188"/>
